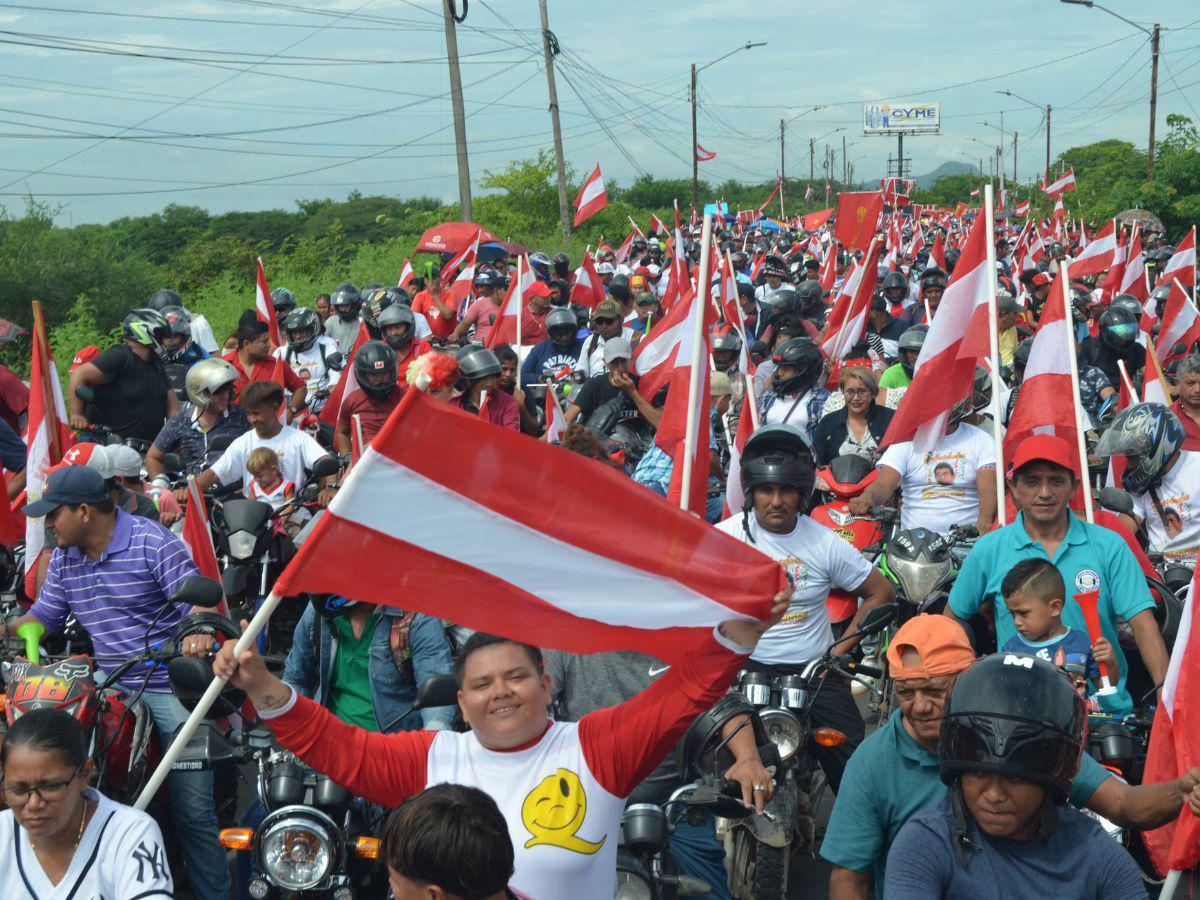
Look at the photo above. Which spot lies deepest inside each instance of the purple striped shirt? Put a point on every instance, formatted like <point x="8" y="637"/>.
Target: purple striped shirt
<point x="116" y="597"/>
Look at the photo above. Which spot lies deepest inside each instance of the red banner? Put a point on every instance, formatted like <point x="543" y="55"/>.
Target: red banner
<point x="857" y="218"/>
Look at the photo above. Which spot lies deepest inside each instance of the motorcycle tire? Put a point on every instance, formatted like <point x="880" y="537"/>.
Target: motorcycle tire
<point x="757" y="871"/>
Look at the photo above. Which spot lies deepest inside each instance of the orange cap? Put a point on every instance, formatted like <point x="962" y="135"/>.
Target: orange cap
<point x="939" y="642"/>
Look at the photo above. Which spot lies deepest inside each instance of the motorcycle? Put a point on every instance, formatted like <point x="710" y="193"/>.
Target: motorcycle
<point x="758" y="848"/>
<point x="844" y="478"/>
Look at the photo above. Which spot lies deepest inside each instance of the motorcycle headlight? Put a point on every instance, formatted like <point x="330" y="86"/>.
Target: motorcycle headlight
<point x="632" y="885"/>
<point x="783" y="729"/>
<point x="241" y="544"/>
<point x="917" y="578"/>
<point x="298" y="847"/>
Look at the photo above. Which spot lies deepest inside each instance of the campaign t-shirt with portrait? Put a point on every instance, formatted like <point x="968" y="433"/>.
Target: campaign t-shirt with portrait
<point x="296" y="450"/>
<point x="1175" y="533"/>
<point x="939" y="487"/>
<point x="816" y="559"/>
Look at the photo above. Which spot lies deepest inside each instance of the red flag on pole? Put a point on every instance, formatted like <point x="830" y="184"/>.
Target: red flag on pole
<point x="1181" y="266"/>
<point x="735" y="498"/>
<point x="406" y="274"/>
<point x="45" y="430"/>
<point x="857" y="218"/>
<point x="587" y="290"/>
<point x="1065" y="182"/>
<point x="263" y="305"/>
<point x="198" y="537"/>
<point x="592" y="198"/>
<point x="703" y="155"/>
<point x="1099" y="253"/>
<point x="1133" y="278"/>
<point x="348" y="383"/>
<point x="556" y="419"/>
<point x="1180" y="323"/>
<point x="673" y="577"/>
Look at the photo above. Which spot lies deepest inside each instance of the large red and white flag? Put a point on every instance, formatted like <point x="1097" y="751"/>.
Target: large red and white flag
<point x="735" y="498"/>
<point x="937" y="253"/>
<point x="457" y="288"/>
<point x="1022" y="209"/>
<point x="592" y="198"/>
<point x="45" y="431"/>
<point x="556" y="419"/>
<point x="1099" y="253"/>
<point x="1111" y="286"/>
<point x="1175" y="742"/>
<point x="348" y="383"/>
<point x="1046" y="402"/>
<point x="655" y="357"/>
<point x="263" y="306"/>
<point x="1181" y="266"/>
<point x="521" y="289"/>
<point x="1154" y="381"/>
<point x="622" y="252"/>
<point x="1180" y="323"/>
<point x="828" y="273"/>
<point x="945" y="369"/>
<point x="1064" y="183"/>
<point x="657" y="226"/>
<point x="587" y="290"/>
<point x="1133" y="279"/>
<point x="198" y="537"/>
<point x="406" y="275"/>
<point x="492" y="558"/>
<point x="848" y="318"/>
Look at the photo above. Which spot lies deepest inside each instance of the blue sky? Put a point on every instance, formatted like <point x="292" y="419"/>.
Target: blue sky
<point x="251" y="104"/>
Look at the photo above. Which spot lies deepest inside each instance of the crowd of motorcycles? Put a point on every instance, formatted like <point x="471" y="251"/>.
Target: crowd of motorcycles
<point x="316" y="840"/>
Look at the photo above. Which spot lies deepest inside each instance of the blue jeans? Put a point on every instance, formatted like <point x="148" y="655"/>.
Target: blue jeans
<point x="192" y="812"/>
<point x="699" y="854"/>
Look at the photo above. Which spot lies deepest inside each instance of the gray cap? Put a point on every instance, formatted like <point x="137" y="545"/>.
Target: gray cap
<point x="617" y="348"/>
<point x="1007" y="303"/>
<point x="124" y="461"/>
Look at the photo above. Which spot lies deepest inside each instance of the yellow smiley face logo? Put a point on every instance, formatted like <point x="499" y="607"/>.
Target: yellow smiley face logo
<point x="554" y="810"/>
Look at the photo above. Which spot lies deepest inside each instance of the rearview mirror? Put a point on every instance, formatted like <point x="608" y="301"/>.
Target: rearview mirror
<point x="335" y="361"/>
<point x="325" y="467"/>
<point x="1116" y="499"/>
<point x="437" y="690"/>
<point x="172" y="463"/>
<point x="878" y="618"/>
<point x="85" y="393"/>
<point x="199" y="591"/>
<point x="220" y="443"/>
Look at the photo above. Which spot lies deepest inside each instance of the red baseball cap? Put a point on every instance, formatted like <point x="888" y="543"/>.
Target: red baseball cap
<point x="1047" y="448"/>
<point x="85" y="355"/>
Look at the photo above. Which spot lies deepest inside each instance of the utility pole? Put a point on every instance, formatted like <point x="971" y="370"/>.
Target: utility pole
<point x="1153" y="100"/>
<point x="845" y="171"/>
<point x="1047" y="173"/>
<point x="1000" y="152"/>
<point x="812" y="149"/>
<point x="781" y="170"/>
<point x="1014" y="157"/>
<point x="549" y="43"/>
<point x="695" y="161"/>
<point x="460" y="119"/>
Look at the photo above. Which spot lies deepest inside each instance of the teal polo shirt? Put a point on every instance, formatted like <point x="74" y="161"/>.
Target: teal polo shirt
<point x="887" y="781"/>
<point x="1089" y="557"/>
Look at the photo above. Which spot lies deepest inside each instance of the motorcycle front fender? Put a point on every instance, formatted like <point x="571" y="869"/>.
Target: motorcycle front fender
<point x="777" y="823"/>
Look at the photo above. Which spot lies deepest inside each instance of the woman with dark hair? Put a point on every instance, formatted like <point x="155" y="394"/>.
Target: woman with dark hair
<point x="62" y="838"/>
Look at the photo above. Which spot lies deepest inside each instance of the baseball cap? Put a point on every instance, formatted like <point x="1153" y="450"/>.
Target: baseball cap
<point x="637" y="283"/>
<point x="616" y="348"/>
<point x="1007" y="303"/>
<point x="1041" y="278"/>
<point x="71" y="486"/>
<point x="719" y="385"/>
<point x="646" y="299"/>
<point x="939" y="642"/>
<point x="605" y="268"/>
<point x="1047" y="448"/>
<point x="607" y="309"/>
<point x="85" y="355"/>
<point x="86" y="453"/>
<point x="124" y="461"/>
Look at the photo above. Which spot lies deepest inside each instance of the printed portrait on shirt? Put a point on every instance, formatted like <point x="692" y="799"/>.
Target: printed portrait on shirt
<point x="942" y="471"/>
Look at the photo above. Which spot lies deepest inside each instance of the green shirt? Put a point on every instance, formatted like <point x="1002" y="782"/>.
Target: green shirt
<point x="895" y="377"/>
<point x="349" y="682"/>
<point x="887" y="781"/>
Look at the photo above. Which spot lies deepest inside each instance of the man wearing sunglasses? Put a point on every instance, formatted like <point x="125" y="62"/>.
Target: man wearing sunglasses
<point x="606" y="324"/>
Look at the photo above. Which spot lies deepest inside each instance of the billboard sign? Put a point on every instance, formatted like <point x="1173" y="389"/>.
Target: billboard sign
<point x="902" y="118"/>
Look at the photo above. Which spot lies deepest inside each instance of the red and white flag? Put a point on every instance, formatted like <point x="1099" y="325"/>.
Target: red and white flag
<point x="975" y="192"/>
<point x="263" y="305"/>
<point x="592" y="198"/>
<point x="945" y="369"/>
<point x="703" y="155"/>
<point x="492" y="558"/>
<point x="348" y="383"/>
<point x="1175" y="742"/>
<point x="406" y="275"/>
<point x="735" y="498"/>
<point x="848" y="318"/>
<point x="1022" y="209"/>
<point x="828" y="273"/>
<point x="524" y="286"/>
<point x="937" y="253"/>
<point x="1181" y="266"/>
<point x="1133" y="279"/>
<point x="1111" y="286"/>
<point x="1059" y="216"/>
<point x="587" y="290"/>
<point x="1064" y="183"/>
<point x="622" y="252"/>
<point x="198" y="537"/>
<point x="1154" y="381"/>
<point x="1180" y="323"/>
<point x="45" y="431"/>
<point x="1099" y="253"/>
<point x="654" y="358"/>
<point x="556" y="419"/>
<point x="457" y="288"/>
<point x="656" y="225"/>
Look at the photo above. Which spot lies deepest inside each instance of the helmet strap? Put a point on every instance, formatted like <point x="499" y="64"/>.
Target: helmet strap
<point x="960" y="839"/>
<point x="747" y="508"/>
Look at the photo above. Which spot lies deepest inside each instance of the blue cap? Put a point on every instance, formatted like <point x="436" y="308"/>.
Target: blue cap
<point x="69" y="486"/>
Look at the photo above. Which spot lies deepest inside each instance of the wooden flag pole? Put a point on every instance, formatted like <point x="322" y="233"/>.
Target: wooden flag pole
<point x="994" y="348"/>
<point x="1080" y="437"/>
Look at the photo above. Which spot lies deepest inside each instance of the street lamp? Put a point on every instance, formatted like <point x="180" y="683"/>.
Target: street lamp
<point x="1000" y="148"/>
<point x="783" y="123"/>
<point x="1154" y="41"/>
<point x="812" y="146"/>
<point x="696" y="69"/>
<point x="1045" y="118"/>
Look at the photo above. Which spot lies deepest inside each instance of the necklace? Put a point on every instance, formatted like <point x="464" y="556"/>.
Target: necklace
<point x="79" y="837"/>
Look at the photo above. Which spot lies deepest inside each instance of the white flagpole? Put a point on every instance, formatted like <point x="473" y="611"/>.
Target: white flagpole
<point x="1080" y="438"/>
<point x="1170" y="884"/>
<point x="994" y="348"/>
<point x="520" y="302"/>
<point x="701" y="298"/>
<point x="244" y="643"/>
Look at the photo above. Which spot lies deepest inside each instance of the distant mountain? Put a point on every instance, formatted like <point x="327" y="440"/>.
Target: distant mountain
<point x="946" y="168"/>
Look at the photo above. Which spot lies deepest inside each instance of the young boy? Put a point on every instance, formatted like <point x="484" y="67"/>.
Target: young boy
<point x="1034" y="593"/>
<point x="268" y="484"/>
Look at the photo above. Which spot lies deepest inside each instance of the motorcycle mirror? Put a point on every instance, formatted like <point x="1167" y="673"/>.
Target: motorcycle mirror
<point x="172" y="462"/>
<point x="220" y="443"/>
<point x="878" y="618"/>
<point x="335" y="361"/>
<point x="1116" y="499"/>
<point x="190" y="678"/>
<point x="325" y="466"/>
<point x="85" y="393"/>
<point x="437" y="690"/>
<point x="199" y="591"/>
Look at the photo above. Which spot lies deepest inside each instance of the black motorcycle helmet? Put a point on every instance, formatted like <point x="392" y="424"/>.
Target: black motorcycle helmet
<point x="804" y="355"/>
<point x="346" y="302"/>
<point x="1118" y="328"/>
<point x="283" y="300"/>
<point x="912" y="339"/>
<point x="562" y="265"/>
<point x="895" y="287"/>
<point x="179" y="325"/>
<point x="1016" y="715"/>
<point x="810" y="296"/>
<point x="1126" y="301"/>
<point x="372" y="358"/>
<point x="395" y="295"/>
<point x="776" y="454"/>
<point x="476" y="362"/>
<point x="397" y="315"/>
<point x="302" y="326"/>
<point x="163" y="298"/>
<point x="147" y="327"/>
<point x="562" y="326"/>
<point x="934" y="276"/>
<point x="781" y="308"/>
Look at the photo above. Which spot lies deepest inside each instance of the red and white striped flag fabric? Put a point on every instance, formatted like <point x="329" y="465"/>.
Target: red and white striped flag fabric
<point x="457" y="288"/>
<point x="1180" y="323"/>
<point x="828" y="273"/>
<point x="1133" y="279"/>
<point x="735" y="497"/>
<point x="556" y="419"/>
<point x="198" y="537"/>
<point x="592" y="198"/>
<point x="703" y="155"/>
<point x="524" y="286"/>
<point x="1099" y="253"/>
<point x="937" y="253"/>
<point x="406" y="275"/>
<point x="1022" y="209"/>
<point x="975" y="192"/>
<point x="945" y="369"/>
<point x="1046" y="404"/>
<point x="1181" y="266"/>
<point x="657" y="226"/>
<point x="1111" y="286"/>
<point x="1154" y="382"/>
<point x="263" y="305"/>
<point x="45" y="431"/>
<point x="492" y="559"/>
<point x="1059" y="216"/>
<point x="1125" y="397"/>
<point x="848" y="318"/>
<point x="654" y="358"/>
<point x="622" y="252"/>
<point x="1064" y="183"/>
<point x="1175" y="741"/>
<point x="587" y="290"/>
<point x="348" y="383"/>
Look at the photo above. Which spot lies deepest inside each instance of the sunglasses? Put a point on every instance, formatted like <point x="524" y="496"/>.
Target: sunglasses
<point x="604" y="320"/>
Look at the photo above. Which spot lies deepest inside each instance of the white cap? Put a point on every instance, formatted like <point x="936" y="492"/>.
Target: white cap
<point x="124" y="461"/>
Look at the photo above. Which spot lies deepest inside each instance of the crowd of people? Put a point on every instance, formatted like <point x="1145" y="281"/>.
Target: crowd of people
<point x="974" y="785"/>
